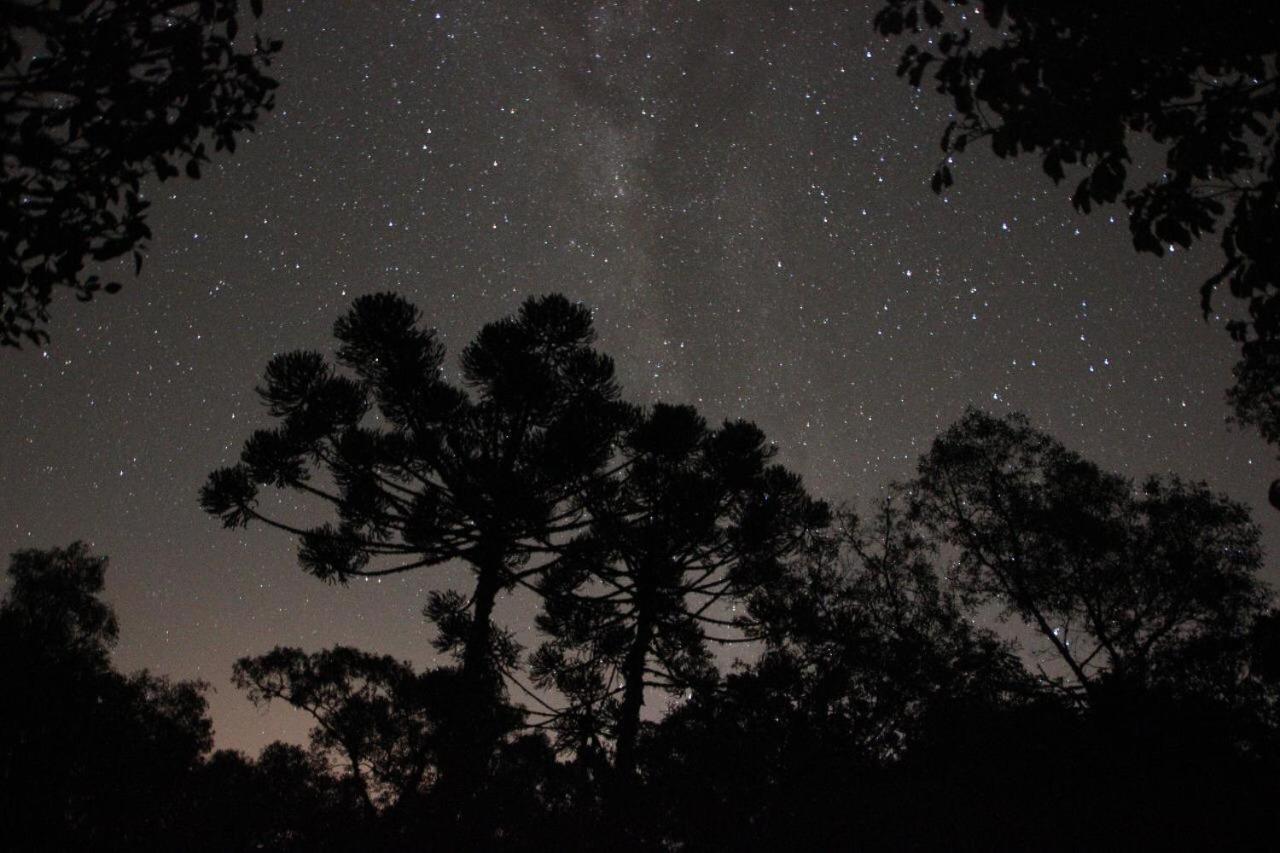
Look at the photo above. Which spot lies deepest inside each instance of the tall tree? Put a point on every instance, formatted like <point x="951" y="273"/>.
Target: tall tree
<point x="95" y="97"/>
<point x="696" y="518"/>
<point x="1122" y="582"/>
<point x="1081" y="84"/>
<point x="421" y="471"/>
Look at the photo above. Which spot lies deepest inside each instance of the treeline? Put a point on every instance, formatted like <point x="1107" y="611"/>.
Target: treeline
<point x="1132" y="699"/>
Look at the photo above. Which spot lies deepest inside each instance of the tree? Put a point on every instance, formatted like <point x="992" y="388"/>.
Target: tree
<point x="376" y="720"/>
<point x="284" y="801"/>
<point x="53" y="604"/>
<point x="1076" y="83"/>
<point x="437" y="475"/>
<point x="96" y="96"/>
<point x="864" y="646"/>
<point x="694" y="519"/>
<point x="381" y="732"/>
<point x="1127" y="585"/>
<point x="90" y="758"/>
<point x="869" y="637"/>
<point x="421" y="472"/>
<point x="382" y="729"/>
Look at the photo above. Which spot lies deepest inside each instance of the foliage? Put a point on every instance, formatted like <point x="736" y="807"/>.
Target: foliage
<point x="694" y="519"/>
<point x="285" y="801"/>
<point x="376" y="719"/>
<point x="489" y="473"/>
<point x="90" y="758"/>
<point x="95" y="97"/>
<point x="53" y="603"/>
<point x="1119" y="580"/>
<point x="421" y="472"/>
<point x="378" y="722"/>
<point x="1083" y="84"/>
<point x="881" y="707"/>
<point x="867" y="638"/>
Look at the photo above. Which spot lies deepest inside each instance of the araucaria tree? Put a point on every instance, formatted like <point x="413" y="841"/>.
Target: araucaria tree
<point x="94" y="98"/>
<point x="694" y="520"/>
<point x="421" y="471"/>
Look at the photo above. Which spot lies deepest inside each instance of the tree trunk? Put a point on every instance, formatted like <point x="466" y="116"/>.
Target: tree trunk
<point x="633" y="696"/>
<point x="477" y="657"/>
<point x="466" y="752"/>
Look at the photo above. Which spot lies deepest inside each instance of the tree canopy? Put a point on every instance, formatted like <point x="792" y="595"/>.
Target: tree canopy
<point x="1119" y="579"/>
<point x="490" y="472"/>
<point x="694" y="519"/>
<point x="1085" y="86"/>
<point x="1011" y="626"/>
<point x="90" y="758"/>
<point x="646" y="538"/>
<point x="96" y="96"/>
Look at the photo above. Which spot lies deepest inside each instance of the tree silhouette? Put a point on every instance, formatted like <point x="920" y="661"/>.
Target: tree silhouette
<point x="869" y="636"/>
<point x="382" y="727"/>
<point x="376" y="720"/>
<point x="1121" y="582"/>
<point x="422" y="472"/>
<point x="53" y="603"/>
<point x="90" y="758"/>
<point x="883" y="710"/>
<point x="1079" y="84"/>
<point x="285" y="801"/>
<point x="695" y="518"/>
<point x="864" y="646"/>
<point x="95" y="97"/>
<point x="381" y="733"/>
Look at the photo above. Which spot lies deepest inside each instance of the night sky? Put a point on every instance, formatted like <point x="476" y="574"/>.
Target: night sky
<point x="740" y="192"/>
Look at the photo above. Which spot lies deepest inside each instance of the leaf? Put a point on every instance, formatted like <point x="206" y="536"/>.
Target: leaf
<point x="1053" y="166"/>
<point x="1080" y="200"/>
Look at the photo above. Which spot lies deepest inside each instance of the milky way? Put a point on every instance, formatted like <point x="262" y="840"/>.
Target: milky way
<point x="740" y="192"/>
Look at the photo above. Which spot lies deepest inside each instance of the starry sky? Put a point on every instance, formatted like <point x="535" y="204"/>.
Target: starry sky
<point x="738" y="189"/>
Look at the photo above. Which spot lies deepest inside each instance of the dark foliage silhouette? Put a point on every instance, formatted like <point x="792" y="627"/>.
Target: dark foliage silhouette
<point x="90" y="759"/>
<point x="1011" y="649"/>
<point x="377" y="721"/>
<point x="491" y="473"/>
<point x="1124" y="583"/>
<point x="870" y="636"/>
<point x="94" y="98"/>
<point x="381" y="732"/>
<point x="881" y="716"/>
<point x="695" y="519"/>
<point x="286" y="801"/>
<point x="493" y="477"/>
<point x="864" y="645"/>
<point x="1082" y="85"/>
<point x="880" y="680"/>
